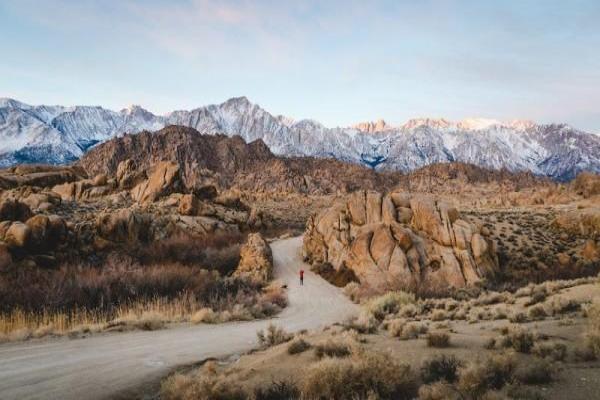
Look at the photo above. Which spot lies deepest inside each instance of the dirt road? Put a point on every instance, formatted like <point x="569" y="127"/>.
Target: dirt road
<point x="117" y="365"/>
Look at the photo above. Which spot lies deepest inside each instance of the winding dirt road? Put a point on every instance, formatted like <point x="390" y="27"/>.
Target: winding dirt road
<point x="119" y="364"/>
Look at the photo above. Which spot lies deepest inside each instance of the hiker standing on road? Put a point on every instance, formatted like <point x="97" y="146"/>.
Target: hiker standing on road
<point x="301" y="277"/>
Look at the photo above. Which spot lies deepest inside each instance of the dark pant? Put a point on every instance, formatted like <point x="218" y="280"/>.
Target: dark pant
<point x="302" y="280"/>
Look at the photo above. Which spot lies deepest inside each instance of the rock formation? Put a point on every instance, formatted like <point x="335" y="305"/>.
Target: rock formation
<point x="398" y="241"/>
<point x="221" y="162"/>
<point x="256" y="259"/>
<point x="71" y="216"/>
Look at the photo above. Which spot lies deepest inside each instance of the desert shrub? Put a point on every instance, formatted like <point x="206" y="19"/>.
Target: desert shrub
<point x="520" y="340"/>
<point x="439" y="391"/>
<point x="364" y="323"/>
<point x="461" y="314"/>
<point x="592" y="335"/>
<point x="220" y="251"/>
<point x="500" y="313"/>
<point x="536" y="297"/>
<point x="554" y="351"/>
<point x="332" y="349"/>
<point x="298" y="346"/>
<point x="281" y="390"/>
<point x="395" y="326"/>
<point x="524" y="291"/>
<point x="439" y="315"/>
<point x="537" y="312"/>
<point x="560" y="305"/>
<point x="409" y="311"/>
<point x="534" y="372"/>
<point x="205" y="315"/>
<point x="438" y="339"/>
<point x="201" y="386"/>
<point x="272" y="299"/>
<point x="149" y="321"/>
<point x="117" y="285"/>
<point x="389" y="303"/>
<point x="353" y="291"/>
<point x="490" y="344"/>
<point x="518" y="317"/>
<point x="368" y="375"/>
<point x="272" y="336"/>
<point x="487" y="299"/>
<point x="520" y="392"/>
<point x="412" y="330"/>
<point x="490" y="374"/>
<point x="451" y="305"/>
<point x="440" y="367"/>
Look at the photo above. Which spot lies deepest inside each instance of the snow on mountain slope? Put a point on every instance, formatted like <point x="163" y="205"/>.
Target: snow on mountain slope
<point x="56" y="134"/>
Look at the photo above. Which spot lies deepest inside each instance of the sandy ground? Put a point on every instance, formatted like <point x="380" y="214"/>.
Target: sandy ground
<point x="574" y="380"/>
<point x="120" y="365"/>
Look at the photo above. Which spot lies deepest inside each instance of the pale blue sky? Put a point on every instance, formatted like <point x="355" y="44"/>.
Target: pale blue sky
<point x="335" y="61"/>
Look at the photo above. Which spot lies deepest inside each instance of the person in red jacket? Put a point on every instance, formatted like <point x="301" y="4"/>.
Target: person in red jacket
<point x="301" y="277"/>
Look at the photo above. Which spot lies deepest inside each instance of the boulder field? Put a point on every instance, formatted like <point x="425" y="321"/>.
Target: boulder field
<point x="53" y="214"/>
<point x="399" y="241"/>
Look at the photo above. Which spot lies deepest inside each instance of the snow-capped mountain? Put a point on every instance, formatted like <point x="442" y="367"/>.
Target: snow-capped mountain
<point x="57" y="134"/>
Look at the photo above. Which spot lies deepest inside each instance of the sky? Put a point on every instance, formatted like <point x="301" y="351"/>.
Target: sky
<point x="338" y="62"/>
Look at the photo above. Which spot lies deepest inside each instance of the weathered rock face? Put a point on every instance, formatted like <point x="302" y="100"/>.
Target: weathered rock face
<point x="38" y="175"/>
<point x="398" y="241"/>
<point x="256" y="258"/>
<point x="163" y="181"/>
<point x="125" y="225"/>
<point x="128" y="175"/>
<point x="14" y="210"/>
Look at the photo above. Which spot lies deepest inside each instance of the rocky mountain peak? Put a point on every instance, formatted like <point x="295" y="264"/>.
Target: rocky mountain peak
<point x="372" y="126"/>
<point x="439" y="123"/>
<point x="56" y="135"/>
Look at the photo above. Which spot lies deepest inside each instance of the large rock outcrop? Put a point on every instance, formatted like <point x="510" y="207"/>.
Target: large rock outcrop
<point x="163" y="181"/>
<point x="398" y="241"/>
<point x="256" y="258"/>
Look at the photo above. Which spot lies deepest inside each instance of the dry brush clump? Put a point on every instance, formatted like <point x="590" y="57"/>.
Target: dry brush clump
<point x="440" y="368"/>
<point x="332" y="348"/>
<point x="123" y="295"/>
<point x="389" y="303"/>
<point x="438" y="339"/>
<point x="272" y="336"/>
<point x="592" y="335"/>
<point x="297" y="346"/>
<point x="552" y="351"/>
<point x="481" y="376"/>
<point x="204" y="384"/>
<point x="365" y="375"/>
<point x="520" y="340"/>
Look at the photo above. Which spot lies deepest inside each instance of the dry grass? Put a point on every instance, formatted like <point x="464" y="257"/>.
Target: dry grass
<point x="440" y="368"/>
<point x="205" y="384"/>
<point x="552" y="351"/>
<point x="520" y="340"/>
<point x="364" y="323"/>
<point x="366" y="375"/>
<point x="535" y="372"/>
<point x="482" y="376"/>
<point x="332" y="348"/>
<point x="592" y="335"/>
<point x="272" y="336"/>
<point x="412" y="330"/>
<point x="439" y="391"/>
<point x="389" y="303"/>
<point x="297" y="346"/>
<point x="216" y="300"/>
<point x="438" y="339"/>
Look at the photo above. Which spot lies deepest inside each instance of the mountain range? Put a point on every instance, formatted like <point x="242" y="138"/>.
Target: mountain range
<point x="58" y="134"/>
